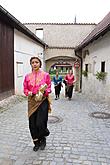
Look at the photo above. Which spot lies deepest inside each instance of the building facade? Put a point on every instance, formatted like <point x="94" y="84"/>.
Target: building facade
<point x="95" y="54"/>
<point x="24" y="49"/>
<point x="17" y="45"/>
<point x="61" y="39"/>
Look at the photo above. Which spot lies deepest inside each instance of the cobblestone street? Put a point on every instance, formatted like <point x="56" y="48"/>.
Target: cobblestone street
<point x="77" y="139"/>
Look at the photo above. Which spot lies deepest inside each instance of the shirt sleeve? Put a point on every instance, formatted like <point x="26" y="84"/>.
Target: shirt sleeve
<point x="61" y="79"/>
<point x="66" y="78"/>
<point x="25" y="85"/>
<point x="48" y="82"/>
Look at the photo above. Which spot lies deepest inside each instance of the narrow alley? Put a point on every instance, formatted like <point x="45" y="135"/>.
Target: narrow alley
<point x="76" y="138"/>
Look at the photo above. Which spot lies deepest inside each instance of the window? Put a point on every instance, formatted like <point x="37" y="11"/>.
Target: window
<point x="103" y="66"/>
<point x="86" y="67"/>
<point x="19" y="69"/>
<point x="94" y="67"/>
<point x="39" y="33"/>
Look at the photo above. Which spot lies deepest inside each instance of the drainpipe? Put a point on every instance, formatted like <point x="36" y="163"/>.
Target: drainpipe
<point x="78" y="54"/>
<point x="44" y="53"/>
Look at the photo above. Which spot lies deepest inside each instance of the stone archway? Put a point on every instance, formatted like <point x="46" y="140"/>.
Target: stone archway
<point x="61" y="66"/>
<point x="68" y="62"/>
<point x="60" y="61"/>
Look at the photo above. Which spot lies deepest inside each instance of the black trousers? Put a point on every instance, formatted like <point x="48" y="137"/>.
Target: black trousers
<point x="66" y="91"/>
<point x="70" y="91"/>
<point x="38" y="121"/>
<point x="57" y="89"/>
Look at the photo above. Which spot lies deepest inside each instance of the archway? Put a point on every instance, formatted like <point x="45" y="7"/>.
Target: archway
<point x="63" y="64"/>
<point x="60" y="62"/>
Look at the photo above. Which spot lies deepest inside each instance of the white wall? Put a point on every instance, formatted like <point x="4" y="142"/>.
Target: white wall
<point x="24" y="49"/>
<point x="99" y="51"/>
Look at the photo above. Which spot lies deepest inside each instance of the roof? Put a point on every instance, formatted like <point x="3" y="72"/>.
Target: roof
<point x="59" y="24"/>
<point x="6" y="17"/>
<point x="59" y="47"/>
<point x="100" y="29"/>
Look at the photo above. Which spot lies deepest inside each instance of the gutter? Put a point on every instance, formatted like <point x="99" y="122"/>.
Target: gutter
<point x="80" y="69"/>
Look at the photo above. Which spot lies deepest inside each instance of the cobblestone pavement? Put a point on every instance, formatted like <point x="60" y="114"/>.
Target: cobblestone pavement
<point x="77" y="139"/>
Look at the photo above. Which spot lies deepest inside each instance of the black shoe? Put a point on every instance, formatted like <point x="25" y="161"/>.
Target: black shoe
<point x="36" y="147"/>
<point x="47" y="132"/>
<point x="43" y="143"/>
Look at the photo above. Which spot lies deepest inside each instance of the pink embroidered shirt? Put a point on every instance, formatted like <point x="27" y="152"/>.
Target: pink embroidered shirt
<point x="34" y="80"/>
<point x="69" y="79"/>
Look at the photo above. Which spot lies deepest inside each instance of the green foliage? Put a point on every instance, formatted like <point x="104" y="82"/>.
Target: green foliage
<point x="85" y="73"/>
<point x="101" y="75"/>
<point x="52" y="72"/>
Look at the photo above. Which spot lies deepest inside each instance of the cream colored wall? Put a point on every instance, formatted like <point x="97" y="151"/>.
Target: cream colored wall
<point x="51" y="53"/>
<point x="98" y="51"/>
<point x="24" y="49"/>
<point x="63" y="35"/>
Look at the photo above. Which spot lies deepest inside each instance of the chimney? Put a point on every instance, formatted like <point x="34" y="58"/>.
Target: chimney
<point x="75" y="19"/>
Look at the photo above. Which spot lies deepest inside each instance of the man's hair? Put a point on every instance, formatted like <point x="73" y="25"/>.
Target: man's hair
<point x="37" y="59"/>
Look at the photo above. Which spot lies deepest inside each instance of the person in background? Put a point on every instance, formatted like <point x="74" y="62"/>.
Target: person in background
<point x="57" y="80"/>
<point x="37" y="86"/>
<point x="70" y="80"/>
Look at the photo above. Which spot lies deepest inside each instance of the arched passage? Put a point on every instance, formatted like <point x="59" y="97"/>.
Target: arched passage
<point x="63" y="64"/>
<point x="60" y="61"/>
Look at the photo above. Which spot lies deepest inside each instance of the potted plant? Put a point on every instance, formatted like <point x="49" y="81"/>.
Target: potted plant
<point x="101" y="75"/>
<point x="85" y="73"/>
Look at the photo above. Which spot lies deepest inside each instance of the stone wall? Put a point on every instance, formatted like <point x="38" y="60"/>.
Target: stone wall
<point x="99" y="51"/>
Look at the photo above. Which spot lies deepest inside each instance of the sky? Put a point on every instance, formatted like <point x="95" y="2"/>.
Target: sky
<point x="57" y="11"/>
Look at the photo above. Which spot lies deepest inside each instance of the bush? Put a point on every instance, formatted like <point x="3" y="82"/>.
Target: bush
<point x="85" y="73"/>
<point x="101" y="75"/>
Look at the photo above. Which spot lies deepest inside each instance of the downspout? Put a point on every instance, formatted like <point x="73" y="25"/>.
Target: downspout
<point x="44" y="52"/>
<point x="79" y="55"/>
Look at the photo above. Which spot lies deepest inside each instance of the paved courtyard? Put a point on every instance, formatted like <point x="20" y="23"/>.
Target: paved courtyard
<point x="76" y="139"/>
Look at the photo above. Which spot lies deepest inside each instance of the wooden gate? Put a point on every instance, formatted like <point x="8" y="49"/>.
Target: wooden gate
<point x="6" y="60"/>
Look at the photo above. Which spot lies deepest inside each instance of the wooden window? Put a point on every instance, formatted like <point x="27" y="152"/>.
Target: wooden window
<point x="103" y="66"/>
<point x="86" y="67"/>
<point x="19" y="69"/>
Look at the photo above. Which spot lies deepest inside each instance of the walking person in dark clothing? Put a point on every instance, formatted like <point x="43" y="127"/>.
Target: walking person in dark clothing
<point x="57" y="80"/>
